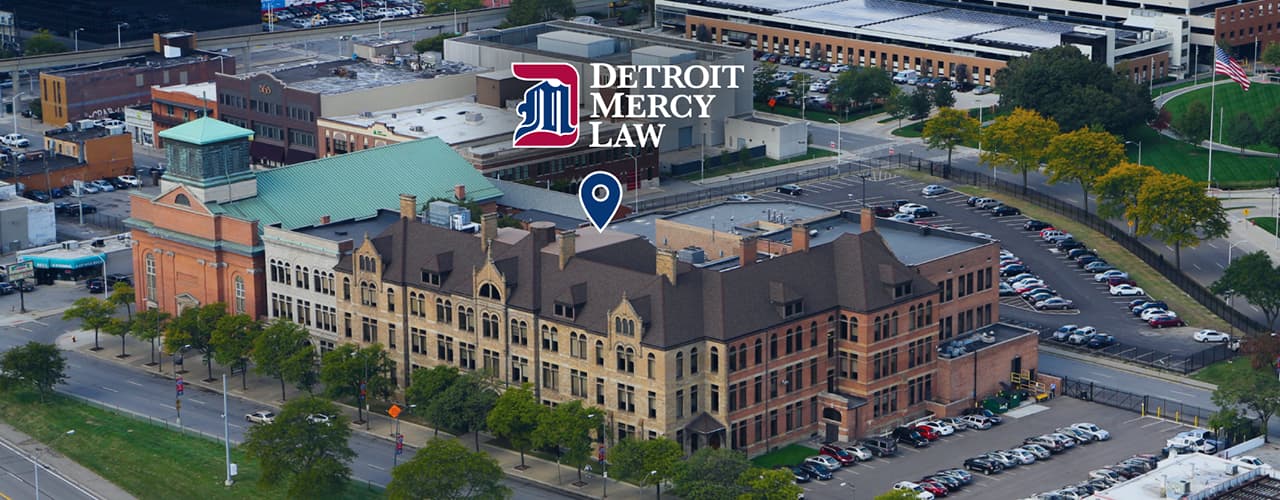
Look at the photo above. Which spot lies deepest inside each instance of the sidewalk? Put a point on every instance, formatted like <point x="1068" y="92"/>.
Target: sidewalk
<point x="266" y="392"/>
<point x="55" y="464"/>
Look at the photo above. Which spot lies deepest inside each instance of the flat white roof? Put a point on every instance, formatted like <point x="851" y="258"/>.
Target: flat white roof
<point x="855" y="13"/>
<point x="574" y="37"/>
<point x="447" y="120"/>
<point x="203" y="90"/>
<point x="1204" y="472"/>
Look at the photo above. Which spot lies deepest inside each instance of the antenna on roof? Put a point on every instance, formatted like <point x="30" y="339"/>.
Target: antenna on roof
<point x="204" y="104"/>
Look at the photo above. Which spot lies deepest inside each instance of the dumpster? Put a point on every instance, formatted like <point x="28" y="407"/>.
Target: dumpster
<point x="996" y="404"/>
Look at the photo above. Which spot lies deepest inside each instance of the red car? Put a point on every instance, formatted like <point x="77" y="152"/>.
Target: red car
<point x="1163" y="321"/>
<point x="1120" y="281"/>
<point x="928" y="433"/>
<point x="884" y="211"/>
<point x="938" y="490"/>
<point x="840" y="454"/>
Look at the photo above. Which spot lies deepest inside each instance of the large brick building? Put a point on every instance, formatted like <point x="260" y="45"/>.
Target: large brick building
<point x="74" y="155"/>
<point x="174" y="105"/>
<point x="200" y="240"/>
<point x="834" y="334"/>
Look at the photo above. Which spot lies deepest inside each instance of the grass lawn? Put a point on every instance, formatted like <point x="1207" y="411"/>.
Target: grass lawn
<point x="142" y="458"/>
<point x="917" y="130"/>
<point x="758" y="163"/>
<point x="1230" y="170"/>
<point x="792" y="454"/>
<point x="1153" y="282"/>
<point x="1170" y="88"/>
<point x="1222" y="371"/>
<point x="1261" y="100"/>
<point x="818" y="115"/>
<point x="1268" y="223"/>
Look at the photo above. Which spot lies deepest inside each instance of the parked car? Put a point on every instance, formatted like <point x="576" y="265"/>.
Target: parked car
<point x="910" y="436"/>
<point x="1072" y="434"/>
<point x="75" y="208"/>
<point x="38" y="195"/>
<point x="1066" y="244"/>
<point x="1211" y="336"/>
<point x="816" y="471"/>
<point x="937" y="490"/>
<point x="825" y="461"/>
<point x="319" y="418"/>
<point x="927" y="432"/>
<point x="1015" y="279"/>
<point x="881" y="446"/>
<point x="985" y="203"/>
<point x="1098" y="433"/>
<point x="132" y="181"/>
<point x="741" y="197"/>
<point x="15" y="140"/>
<point x="1003" y="210"/>
<point x="1055" y="303"/>
<point x="990" y="415"/>
<point x="1077" y="252"/>
<point x="1023" y="456"/>
<point x="261" y="417"/>
<point x="860" y="452"/>
<point x="7" y="288"/>
<point x="840" y="454"/>
<point x="1039" y="290"/>
<point x="1085" y="259"/>
<point x="1120" y="281"/>
<point x="1064" y="332"/>
<point x="1013" y="270"/>
<point x="1106" y="275"/>
<point x="981" y="90"/>
<point x="1040" y="452"/>
<point x="1008" y="461"/>
<point x="1101" y="340"/>
<point x="915" y="488"/>
<point x="950" y="483"/>
<point x="114" y="278"/>
<point x="955" y="422"/>
<point x="95" y="285"/>
<point x="1126" y="290"/>
<point x="1154" y="304"/>
<point x="1053" y="445"/>
<point x="791" y="189"/>
<point x="1034" y="296"/>
<point x="1006" y="290"/>
<point x="1079" y="335"/>
<point x="983" y="465"/>
<point x="1098" y="266"/>
<point x="933" y="190"/>
<point x="1035" y="225"/>
<point x="1249" y="460"/>
<point x="90" y="188"/>
<point x="963" y="475"/>
<point x="57" y="193"/>
<point x="940" y="427"/>
<point x="1164" y="321"/>
<point x="103" y="185"/>
<point x="903" y="218"/>
<point x="977" y="422"/>
<point x="798" y="474"/>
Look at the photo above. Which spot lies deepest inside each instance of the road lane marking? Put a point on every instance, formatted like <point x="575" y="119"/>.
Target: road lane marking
<point x="105" y="388"/>
<point x="197" y="401"/>
<point x="134" y="383"/>
<point x="1157" y="422"/>
<point x="371" y="466"/>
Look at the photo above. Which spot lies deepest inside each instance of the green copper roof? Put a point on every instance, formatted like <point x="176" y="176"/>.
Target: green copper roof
<point x="205" y="131"/>
<point x="358" y="184"/>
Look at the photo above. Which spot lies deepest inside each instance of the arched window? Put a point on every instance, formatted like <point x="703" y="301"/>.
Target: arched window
<point x="600" y="353"/>
<point x="759" y="351"/>
<point x="877" y="328"/>
<point x="787" y="340"/>
<point x="911" y="317"/>
<point x="693" y="360"/>
<point x="652" y="362"/>
<point x="182" y="199"/>
<point x="773" y="345"/>
<point x="444" y="311"/>
<point x="239" y="292"/>
<point x="894" y="323"/>
<point x="519" y="332"/>
<point x="151" y="277"/>
<point x="715" y="360"/>
<point x="733" y="359"/>
<point x="742" y="356"/>
<point x="346" y="289"/>
<point x="617" y="324"/>
<point x="414" y="308"/>
<point x="391" y="299"/>
<point x="928" y="312"/>
<point x="813" y="332"/>
<point x="582" y="346"/>
<point x="631" y="360"/>
<point x="679" y="364"/>
<point x="573" y="344"/>
<point x="549" y="340"/>
<point x="489" y="291"/>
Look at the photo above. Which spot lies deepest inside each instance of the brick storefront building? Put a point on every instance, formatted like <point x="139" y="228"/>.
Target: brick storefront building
<point x="177" y="104"/>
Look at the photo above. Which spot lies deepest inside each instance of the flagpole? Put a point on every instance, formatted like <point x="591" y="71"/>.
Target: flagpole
<point x="1213" y="91"/>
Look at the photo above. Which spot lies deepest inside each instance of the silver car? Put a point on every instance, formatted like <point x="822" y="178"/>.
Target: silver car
<point x="1040" y="452"/>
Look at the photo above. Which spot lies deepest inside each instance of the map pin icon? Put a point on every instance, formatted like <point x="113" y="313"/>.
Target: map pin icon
<point x="600" y="194"/>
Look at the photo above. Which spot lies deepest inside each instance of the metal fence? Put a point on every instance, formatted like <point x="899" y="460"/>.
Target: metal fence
<point x="1144" y="405"/>
<point x="1153" y="358"/>
<point x="108" y="222"/>
<point x="1169" y="270"/>
<point x="714" y="161"/>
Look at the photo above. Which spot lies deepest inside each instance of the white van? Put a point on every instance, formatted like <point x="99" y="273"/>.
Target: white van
<point x="907" y="76"/>
<point x="1190" y="442"/>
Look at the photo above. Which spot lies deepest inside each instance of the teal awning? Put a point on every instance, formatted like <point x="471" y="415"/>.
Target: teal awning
<point x="43" y="262"/>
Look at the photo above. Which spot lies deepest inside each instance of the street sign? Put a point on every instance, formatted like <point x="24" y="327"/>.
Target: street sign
<point x="20" y="271"/>
<point x="600" y="455"/>
<point x="399" y="444"/>
<point x="180" y="385"/>
<point x="890" y="151"/>
<point x="394" y="411"/>
<point x="832" y="144"/>
<point x="1246" y="212"/>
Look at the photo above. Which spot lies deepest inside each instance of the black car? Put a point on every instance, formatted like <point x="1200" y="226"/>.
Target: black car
<point x="815" y="471"/>
<point x="1014" y="270"/>
<point x="7" y="288"/>
<point x="74" y="209"/>
<point x="910" y="436"/>
<point x="884" y="211"/>
<point x="1067" y="244"/>
<point x="1003" y="210"/>
<point x="57" y="193"/>
<point x="798" y="473"/>
<point x="112" y="279"/>
<point x="790" y="189"/>
<point x="1075" y="253"/>
<point x="972" y="200"/>
<point x="38" y="195"/>
<point x="1084" y="260"/>
<point x="1034" y="225"/>
<point x="983" y="465"/>
<point x="95" y="285"/>
<point x="921" y="213"/>
<point x="117" y="183"/>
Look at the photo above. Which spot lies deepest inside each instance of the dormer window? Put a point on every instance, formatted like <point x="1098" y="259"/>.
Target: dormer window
<point x="624" y="326"/>
<point x="793" y="308"/>
<point x="368" y="264"/>
<point x="430" y="278"/>
<point x="903" y="290"/>
<point x="489" y="291"/>
<point x="564" y="310"/>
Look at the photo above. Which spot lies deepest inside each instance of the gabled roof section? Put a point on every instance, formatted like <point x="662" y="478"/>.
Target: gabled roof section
<point x="171" y="198"/>
<point x="357" y="184"/>
<point x="205" y="131"/>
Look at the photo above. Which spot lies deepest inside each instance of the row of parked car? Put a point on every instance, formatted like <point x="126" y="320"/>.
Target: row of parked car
<point x="1103" y="478"/>
<point x="800" y="62"/>
<point x="1021" y="282"/>
<point x="90" y="187"/>
<point x="1083" y="336"/>
<point x="306" y="16"/>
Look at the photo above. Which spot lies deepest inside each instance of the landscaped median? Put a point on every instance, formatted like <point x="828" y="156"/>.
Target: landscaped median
<point x="147" y="460"/>
<point x="1151" y="281"/>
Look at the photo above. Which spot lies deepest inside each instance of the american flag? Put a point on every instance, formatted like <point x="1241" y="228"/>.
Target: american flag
<point x="1223" y="64"/>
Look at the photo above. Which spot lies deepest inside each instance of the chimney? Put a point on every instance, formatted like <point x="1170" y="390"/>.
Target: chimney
<point x="799" y="238"/>
<point x="460" y="192"/>
<point x="868" y="220"/>
<point x="488" y="229"/>
<point x="543" y="234"/>
<point x="408" y="206"/>
<point x="667" y="264"/>
<point x="749" y="248"/>
<point x="324" y="219"/>
<point x="567" y="247"/>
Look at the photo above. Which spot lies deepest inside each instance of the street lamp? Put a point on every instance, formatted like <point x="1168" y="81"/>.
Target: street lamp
<point x="657" y="483"/>
<point x="839" y="144"/>
<point x="75" y="39"/>
<point x="864" y="176"/>
<point x="604" y="465"/>
<point x="362" y="398"/>
<point x="636" y="164"/>
<point x="119" y="42"/>
<point x="35" y="459"/>
<point x="1139" y="143"/>
<point x="15" y="111"/>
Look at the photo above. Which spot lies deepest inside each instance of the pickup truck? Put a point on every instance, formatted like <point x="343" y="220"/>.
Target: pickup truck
<point x="15" y="140"/>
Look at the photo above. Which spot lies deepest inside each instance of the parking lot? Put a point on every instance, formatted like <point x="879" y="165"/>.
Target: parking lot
<point x="1130" y="434"/>
<point x="1094" y="305"/>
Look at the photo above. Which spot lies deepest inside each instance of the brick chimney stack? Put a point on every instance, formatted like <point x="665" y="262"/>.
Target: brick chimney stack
<point x="460" y="192"/>
<point x="799" y="238"/>
<point x="408" y="206"/>
<point x="567" y="247"/>
<point x="868" y="220"/>
<point x="488" y="229"/>
<point x="667" y="264"/>
<point x="750" y="247"/>
<point x="324" y="219"/>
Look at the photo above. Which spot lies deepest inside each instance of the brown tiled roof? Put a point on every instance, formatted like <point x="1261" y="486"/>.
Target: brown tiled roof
<point x="849" y="273"/>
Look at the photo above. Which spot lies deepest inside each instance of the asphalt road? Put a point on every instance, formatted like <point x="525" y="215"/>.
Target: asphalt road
<point x="1111" y="377"/>
<point x="19" y="478"/>
<point x="153" y="396"/>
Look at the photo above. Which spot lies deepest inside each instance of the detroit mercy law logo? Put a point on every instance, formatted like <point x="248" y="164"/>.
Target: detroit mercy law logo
<point x="549" y="113"/>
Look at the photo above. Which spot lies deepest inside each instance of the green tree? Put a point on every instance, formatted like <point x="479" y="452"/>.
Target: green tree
<point x="568" y="427"/>
<point x="769" y="484"/>
<point x="1256" y="391"/>
<point x="1173" y="209"/>
<point x="344" y="369"/>
<point x="148" y="326"/>
<point x="427" y="385"/>
<point x="799" y="88"/>
<point x="702" y="34"/>
<point x="896" y="495"/>
<point x="463" y="407"/>
<point x="119" y="328"/>
<point x="524" y="12"/>
<point x="1269" y="133"/>
<point x="433" y="44"/>
<point x="1018" y="141"/>
<point x="859" y="86"/>
<point x="33" y="365"/>
<point x="950" y="128"/>
<point x="514" y="417"/>
<point x="1271" y="54"/>
<point x="711" y="474"/>
<point x="1071" y="89"/>
<point x="233" y="338"/>
<point x="312" y="457"/>
<point x="123" y="295"/>
<point x="919" y="104"/>
<point x="444" y="469"/>
<point x="281" y="351"/>
<point x="1193" y="124"/>
<point x="1244" y="130"/>
<point x="647" y="462"/>
<point x="43" y="42"/>
<point x="1118" y="190"/>
<point x="193" y="329"/>
<point x="764" y="81"/>
<point x="1082" y="156"/>
<point x="943" y="97"/>
<point x="898" y="104"/>
<point x="93" y="313"/>
<point x="1254" y="277"/>
<point x="1228" y="422"/>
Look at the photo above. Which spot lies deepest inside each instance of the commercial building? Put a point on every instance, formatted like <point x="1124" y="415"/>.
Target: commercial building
<point x="200" y="240"/>
<point x="1252" y="25"/>
<point x="281" y="107"/>
<point x="23" y="223"/>
<point x="581" y="44"/>
<point x="829" y="325"/>
<point x="138" y="124"/>
<point x="174" y="105"/>
<point x="1196" y="476"/>
<point x="97" y="90"/>
<point x="959" y="40"/>
<point x="73" y="261"/>
<point x="79" y="154"/>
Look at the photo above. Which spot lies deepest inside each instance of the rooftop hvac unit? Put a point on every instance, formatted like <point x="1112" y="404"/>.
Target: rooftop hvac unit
<point x="987" y="337"/>
<point x="473" y="118"/>
<point x="416" y="128"/>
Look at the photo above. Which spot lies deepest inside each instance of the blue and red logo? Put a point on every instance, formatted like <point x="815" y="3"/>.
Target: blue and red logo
<point x="549" y="112"/>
